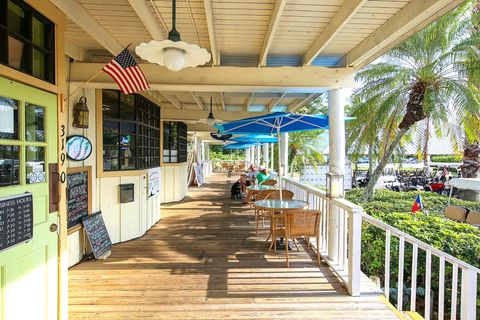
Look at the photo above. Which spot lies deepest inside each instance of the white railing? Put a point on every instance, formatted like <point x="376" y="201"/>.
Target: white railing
<point x="345" y="256"/>
<point x="469" y="274"/>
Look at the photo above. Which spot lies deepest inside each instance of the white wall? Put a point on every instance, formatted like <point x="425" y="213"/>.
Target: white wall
<point x="124" y="221"/>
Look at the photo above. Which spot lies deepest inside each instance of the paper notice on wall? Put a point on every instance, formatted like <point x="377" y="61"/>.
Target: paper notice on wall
<point x="153" y="181"/>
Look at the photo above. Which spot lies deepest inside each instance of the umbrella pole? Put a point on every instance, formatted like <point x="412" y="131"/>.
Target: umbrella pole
<point x="279" y="162"/>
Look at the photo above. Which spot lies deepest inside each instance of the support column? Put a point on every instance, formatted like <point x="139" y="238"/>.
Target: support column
<point x="336" y="113"/>
<point x="259" y="153"/>
<point x="202" y="155"/>
<point x="284" y="154"/>
<point x="247" y="154"/>
<point x="198" y="149"/>
<point x="272" y="156"/>
<point x="266" y="158"/>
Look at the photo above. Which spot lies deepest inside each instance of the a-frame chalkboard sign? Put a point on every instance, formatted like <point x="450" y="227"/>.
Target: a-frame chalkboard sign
<point x="97" y="235"/>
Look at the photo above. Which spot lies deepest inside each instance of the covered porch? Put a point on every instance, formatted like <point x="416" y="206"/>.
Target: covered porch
<point x="203" y="261"/>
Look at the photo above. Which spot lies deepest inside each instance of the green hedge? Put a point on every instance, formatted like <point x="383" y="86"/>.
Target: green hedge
<point x="394" y="208"/>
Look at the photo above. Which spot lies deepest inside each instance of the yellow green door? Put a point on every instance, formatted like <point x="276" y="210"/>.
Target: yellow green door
<point x="28" y="143"/>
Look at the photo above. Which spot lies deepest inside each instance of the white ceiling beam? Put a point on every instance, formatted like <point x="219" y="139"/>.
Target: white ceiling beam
<point x="339" y="20"/>
<point x="173" y="100"/>
<point x="249" y="101"/>
<point x="198" y="101"/>
<point x="222" y="100"/>
<point x="411" y="19"/>
<point x="294" y="106"/>
<point x="211" y="31"/>
<point x="274" y="102"/>
<point x="78" y="14"/>
<point x="75" y="52"/>
<point x="148" y="19"/>
<point x="228" y="79"/>
<point x="277" y="12"/>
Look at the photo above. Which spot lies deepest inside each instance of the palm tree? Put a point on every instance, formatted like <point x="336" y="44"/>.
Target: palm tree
<point x="304" y="148"/>
<point x="471" y="149"/>
<point x="428" y="75"/>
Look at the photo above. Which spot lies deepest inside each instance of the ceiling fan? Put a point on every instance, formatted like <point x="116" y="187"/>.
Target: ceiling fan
<point x="210" y="119"/>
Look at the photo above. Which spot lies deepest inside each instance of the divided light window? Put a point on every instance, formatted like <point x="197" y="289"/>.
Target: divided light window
<point x="131" y="132"/>
<point x="174" y="142"/>
<point x="27" y="40"/>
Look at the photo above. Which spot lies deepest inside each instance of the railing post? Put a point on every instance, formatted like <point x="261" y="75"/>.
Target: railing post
<point x="354" y="250"/>
<point x="469" y="294"/>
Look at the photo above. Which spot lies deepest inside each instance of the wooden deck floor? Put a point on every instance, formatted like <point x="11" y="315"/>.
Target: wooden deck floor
<point x="203" y="261"/>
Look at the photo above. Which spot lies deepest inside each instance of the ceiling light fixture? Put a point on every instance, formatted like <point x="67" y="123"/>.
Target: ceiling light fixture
<point x="173" y="53"/>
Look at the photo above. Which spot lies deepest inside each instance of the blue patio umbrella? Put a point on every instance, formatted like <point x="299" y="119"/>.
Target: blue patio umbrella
<point x="257" y="138"/>
<point x="275" y="123"/>
<point x="237" y="145"/>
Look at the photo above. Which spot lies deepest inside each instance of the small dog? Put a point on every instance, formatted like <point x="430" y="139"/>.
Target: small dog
<point x="235" y="191"/>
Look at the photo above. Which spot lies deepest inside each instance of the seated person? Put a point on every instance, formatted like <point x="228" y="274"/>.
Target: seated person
<point x="252" y="172"/>
<point x="263" y="175"/>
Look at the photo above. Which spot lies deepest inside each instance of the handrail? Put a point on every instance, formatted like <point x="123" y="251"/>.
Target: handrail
<point x="341" y="249"/>
<point x="421" y="245"/>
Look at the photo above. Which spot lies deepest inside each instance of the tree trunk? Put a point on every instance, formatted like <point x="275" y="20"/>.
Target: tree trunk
<point x="368" y="194"/>
<point x="425" y="149"/>
<point x="414" y="114"/>
<point x="370" y="158"/>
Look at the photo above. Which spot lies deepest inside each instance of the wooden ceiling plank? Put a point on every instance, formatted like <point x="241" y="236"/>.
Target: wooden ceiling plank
<point x="275" y="101"/>
<point x="295" y="105"/>
<point x="409" y="20"/>
<point x="146" y="16"/>
<point x="211" y="31"/>
<point x="173" y="100"/>
<point x="339" y="20"/>
<point x="78" y="14"/>
<point x="198" y="101"/>
<point x="274" y="21"/>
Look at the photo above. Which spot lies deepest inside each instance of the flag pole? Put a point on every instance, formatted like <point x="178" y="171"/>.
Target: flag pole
<point x="90" y="79"/>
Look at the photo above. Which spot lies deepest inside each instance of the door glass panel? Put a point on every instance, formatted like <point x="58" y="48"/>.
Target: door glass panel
<point x="34" y="123"/>
<point x="9" y="165"/>
<point x="35" y="165"/>
<point x="9" y="118"/>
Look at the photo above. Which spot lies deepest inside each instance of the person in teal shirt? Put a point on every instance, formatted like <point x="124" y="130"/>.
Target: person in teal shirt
<point x="262" y="175"/>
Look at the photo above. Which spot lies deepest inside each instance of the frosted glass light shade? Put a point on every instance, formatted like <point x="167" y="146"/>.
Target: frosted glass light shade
<point x="168" y="53"/>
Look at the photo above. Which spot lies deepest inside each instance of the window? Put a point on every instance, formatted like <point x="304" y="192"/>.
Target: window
<point x="131" y="132"/>
<point x="27" y="40"/>
<point x="174" y="142"/>
<point x="32" y="145"/>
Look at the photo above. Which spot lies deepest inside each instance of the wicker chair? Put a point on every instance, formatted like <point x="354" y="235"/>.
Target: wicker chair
<point x="286" y="194"/>
<point x="270" y="182"/>
<point x="259" y="213"/>
<point x="299" y="223"/>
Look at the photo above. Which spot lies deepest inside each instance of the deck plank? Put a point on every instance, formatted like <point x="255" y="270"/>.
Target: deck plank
<point x="203" y="261"/>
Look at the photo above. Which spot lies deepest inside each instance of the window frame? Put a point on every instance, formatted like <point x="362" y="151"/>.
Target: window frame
<point x="99" y="139"/>
<point x="50" y="34"/>
<point x="181" y="142"/>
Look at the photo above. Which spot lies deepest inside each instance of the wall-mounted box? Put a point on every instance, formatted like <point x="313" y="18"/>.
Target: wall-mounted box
<point x="127" y="192"/>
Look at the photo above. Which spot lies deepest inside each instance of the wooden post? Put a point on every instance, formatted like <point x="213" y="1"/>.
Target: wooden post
<point x="354" y="251"/>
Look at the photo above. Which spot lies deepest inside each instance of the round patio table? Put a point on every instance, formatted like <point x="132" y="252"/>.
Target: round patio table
<point x="275" y="205"/>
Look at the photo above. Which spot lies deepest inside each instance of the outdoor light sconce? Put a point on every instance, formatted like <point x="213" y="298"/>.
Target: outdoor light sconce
<point x="335" y="185"/>
<point x="80" y="114"/>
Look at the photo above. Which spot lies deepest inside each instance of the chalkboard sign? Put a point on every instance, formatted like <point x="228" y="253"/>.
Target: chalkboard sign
<point x="16" y="220"/>
<point x="78" y="195"/>
<point x="97" y="234"/>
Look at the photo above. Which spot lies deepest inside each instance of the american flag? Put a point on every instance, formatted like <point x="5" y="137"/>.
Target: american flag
<point x="126" y="73"/>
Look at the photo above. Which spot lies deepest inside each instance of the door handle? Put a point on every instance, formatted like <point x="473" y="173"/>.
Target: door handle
<point x="53" y="227"/>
